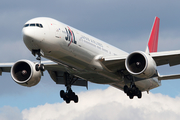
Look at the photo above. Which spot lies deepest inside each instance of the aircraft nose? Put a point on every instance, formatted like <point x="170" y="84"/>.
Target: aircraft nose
<point x="28" y="34"/>
<point x="32" y="37"/>
<point x="33" y="34"/>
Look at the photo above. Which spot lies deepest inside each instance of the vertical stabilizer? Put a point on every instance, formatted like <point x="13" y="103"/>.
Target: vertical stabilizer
<point x="153" y="38"/>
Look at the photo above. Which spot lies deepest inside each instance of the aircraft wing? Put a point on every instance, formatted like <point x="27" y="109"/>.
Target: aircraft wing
<point x="5" y="67"/>
<point x="113" y="63"/>
<point x="167" y="77"/>
<point x="49" y="65"/>
<point x="161" y="58"/>
<point x="55" y="70"/>
<point x="169" y="57"/>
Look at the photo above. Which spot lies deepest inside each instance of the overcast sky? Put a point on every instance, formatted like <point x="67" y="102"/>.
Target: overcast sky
<point x="125" y="24"/>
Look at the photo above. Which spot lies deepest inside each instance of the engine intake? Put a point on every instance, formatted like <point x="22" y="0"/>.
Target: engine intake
<point x="140" y="64"/>
<point x="23" y="72"/>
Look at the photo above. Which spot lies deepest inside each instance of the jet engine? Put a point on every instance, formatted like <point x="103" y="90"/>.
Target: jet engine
<point x="141" y="65"/>
<point x="24" y="73"/>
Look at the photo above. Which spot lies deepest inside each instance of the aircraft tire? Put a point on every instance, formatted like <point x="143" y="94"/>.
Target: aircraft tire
<point x="42" y="67"/>
<point x="68" y="100"/>
<point x="131" y="96"/>
<point x="126" y="89"/>
<point x="139" y="95"/>
<point x="62" y="93"/>
<point x="37" y="67"/>
<point x="76" y="99"/>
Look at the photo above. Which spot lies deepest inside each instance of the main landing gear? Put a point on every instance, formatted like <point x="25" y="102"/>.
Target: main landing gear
<point x="69" y="94"/>
<point x="132" y="91"/>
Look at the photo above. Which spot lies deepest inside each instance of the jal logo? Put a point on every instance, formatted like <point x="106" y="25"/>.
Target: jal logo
<point x="70" y="36"/>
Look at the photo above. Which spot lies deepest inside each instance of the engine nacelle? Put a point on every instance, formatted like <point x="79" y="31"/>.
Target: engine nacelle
<point x="24" y="73"/>
<point x="140" y="64"/>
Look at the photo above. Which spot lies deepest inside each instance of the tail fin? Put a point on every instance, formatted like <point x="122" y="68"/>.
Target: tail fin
<point x="153" y="38"/>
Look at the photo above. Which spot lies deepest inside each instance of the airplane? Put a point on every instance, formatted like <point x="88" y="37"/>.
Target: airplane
<point x="74" y="58"/>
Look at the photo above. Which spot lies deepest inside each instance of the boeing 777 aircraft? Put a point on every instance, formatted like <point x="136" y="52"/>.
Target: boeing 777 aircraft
<point x="74" y="58"/>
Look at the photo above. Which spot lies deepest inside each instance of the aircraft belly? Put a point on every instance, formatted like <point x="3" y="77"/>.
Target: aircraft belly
<point x="148" y="84"/>
<point x="67" y="61"/>
<point x="99" y="78"/>
<point x="144" y="85"/>
<point x="84" y="71"/>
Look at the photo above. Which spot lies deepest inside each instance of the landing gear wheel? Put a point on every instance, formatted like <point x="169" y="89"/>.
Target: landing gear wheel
<point x="76" y="99"/>
<point x="73" y="94"/>
<point x="37" y="67"/>
<point x="132" y="91"/>
<point x="68" y="100"/>
<point x="139" y="95"/>
<point x="131" y="96"/>
<point x="42" y="67"/>
<point x="62" y="93"/>
<point x="125" y="89"/>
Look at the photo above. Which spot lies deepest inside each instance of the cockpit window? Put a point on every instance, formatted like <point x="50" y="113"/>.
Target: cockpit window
<point x="41" y="25"/>
<point x="26" y="25"/>
<point x="33" y="25"/>
<point x="37" y="25"/>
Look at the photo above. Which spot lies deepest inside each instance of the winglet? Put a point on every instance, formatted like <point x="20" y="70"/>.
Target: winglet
<point x="153" y="38"/>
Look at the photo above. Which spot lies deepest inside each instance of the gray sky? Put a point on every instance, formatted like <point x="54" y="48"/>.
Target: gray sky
<point x="124" y="24"/>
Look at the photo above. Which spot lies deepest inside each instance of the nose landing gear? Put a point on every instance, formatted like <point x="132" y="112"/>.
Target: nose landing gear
<point x="38" y="66"/>
<point x="69" y="80"/>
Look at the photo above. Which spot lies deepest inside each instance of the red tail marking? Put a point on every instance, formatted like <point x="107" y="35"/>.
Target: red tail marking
<point x="153" y="39"/>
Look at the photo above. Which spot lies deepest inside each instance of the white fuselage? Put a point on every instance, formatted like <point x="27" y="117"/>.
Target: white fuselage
<point x="77" y="51"/>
